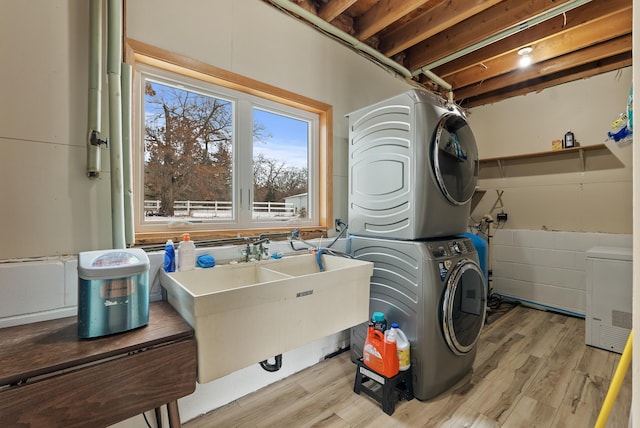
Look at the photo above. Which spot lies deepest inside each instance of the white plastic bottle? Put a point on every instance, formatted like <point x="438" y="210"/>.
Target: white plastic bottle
<point x="403" y="346"/>
<point x="186" y="254"/>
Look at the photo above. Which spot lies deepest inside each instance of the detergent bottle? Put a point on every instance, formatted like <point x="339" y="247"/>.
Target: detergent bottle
<point x="403" y="346"/>
<point x="186" y="254"/>
<point x="380" y="353"/>
<point x="379" y="321"/>
<point x="169" y="257"/>
<point x="391" y="363"/>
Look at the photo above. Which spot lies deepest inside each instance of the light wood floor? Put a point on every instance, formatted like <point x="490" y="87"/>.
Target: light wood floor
<point x="532" y="370"/>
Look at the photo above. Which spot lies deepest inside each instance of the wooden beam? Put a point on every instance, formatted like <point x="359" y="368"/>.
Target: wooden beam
<point x="595" y="10"/>
<point x="383" y="14"/>
<point x="306" y="5"/>
<point x="476" y="29"/>
<point x="565" y="62"/>
<point x="562" y="43"/>
<point x="544" y="82"/>
<point x="332" y="9"/>
<point x="441" y="16"/>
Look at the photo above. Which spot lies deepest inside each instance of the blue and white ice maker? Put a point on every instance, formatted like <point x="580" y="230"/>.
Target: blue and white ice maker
<point x="113" y="291"/>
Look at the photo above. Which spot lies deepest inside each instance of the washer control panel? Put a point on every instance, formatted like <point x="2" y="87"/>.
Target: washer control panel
<point x="448" y="248"/>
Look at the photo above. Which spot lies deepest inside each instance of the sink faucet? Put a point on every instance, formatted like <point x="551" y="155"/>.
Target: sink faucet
<point x="260" y="249"/>
<point x="247" y="250"/>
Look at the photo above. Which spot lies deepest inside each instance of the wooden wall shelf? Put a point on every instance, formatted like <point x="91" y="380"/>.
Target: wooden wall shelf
<point x="579" y="152"/>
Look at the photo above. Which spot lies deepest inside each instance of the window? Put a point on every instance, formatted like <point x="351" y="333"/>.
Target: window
<point x="217" y="157"/>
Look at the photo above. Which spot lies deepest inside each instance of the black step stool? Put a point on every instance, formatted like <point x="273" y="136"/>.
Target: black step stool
<point x="387" y="391"/>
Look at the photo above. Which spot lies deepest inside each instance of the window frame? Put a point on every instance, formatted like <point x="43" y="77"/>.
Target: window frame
<point x="144" y="56"/>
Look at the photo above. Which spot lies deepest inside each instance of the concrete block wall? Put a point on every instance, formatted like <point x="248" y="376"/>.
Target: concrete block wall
<point x="547" y="268"/>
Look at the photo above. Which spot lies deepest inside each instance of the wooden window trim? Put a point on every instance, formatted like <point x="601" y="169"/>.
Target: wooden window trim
<point x="137" y="52"/>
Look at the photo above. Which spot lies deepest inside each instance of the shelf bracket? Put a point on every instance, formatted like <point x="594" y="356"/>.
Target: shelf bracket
<point x="500" y="168"/>
<point x="498" y="201"/>
<point x="582" y="160"/>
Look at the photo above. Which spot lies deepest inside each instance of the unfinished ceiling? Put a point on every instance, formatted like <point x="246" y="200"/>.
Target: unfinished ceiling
<point x="473" y="45"/>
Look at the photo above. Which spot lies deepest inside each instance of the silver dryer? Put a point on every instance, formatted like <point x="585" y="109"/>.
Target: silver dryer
<point x="413" y="168"/>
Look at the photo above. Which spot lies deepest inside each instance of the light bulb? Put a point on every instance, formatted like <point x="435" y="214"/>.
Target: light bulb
<point x="525" y="58"/>
<point x="525" y="61"/>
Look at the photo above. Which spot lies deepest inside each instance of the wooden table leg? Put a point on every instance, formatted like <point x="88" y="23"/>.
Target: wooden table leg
<point x="174" y="414"/>
<point x="158" y="417"/>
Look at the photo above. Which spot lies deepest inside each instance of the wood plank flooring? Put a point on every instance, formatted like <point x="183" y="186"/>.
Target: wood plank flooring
<point x="532" y="370"/>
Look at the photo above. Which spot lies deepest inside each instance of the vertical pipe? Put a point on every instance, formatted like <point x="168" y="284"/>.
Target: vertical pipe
<point x="127" y="164"/>
<point x="114" y="59"/>
<point x="95" y="86"/>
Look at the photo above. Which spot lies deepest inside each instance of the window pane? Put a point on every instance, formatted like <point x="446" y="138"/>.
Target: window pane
<point x="188" y="155"/>
<point x="280" y="167"/>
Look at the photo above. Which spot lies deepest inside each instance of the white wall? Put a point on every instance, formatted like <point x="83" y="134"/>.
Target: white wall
<point x="552" y="192"/>
<point x="49" y="206"/>
<point x="528" y="123"/>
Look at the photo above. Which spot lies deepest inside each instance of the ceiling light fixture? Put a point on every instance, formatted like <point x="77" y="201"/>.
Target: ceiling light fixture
<point x="521" y="26"/>
<point x="525" y="56"/>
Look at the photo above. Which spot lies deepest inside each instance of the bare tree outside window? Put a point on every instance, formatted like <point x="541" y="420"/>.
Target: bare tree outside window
<point x="280" y="163"/>
<point x="189" y="158"/>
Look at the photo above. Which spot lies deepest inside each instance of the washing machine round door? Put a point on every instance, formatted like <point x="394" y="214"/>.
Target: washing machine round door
<point x="464" y="306"/>
<point x="455" y="158"/>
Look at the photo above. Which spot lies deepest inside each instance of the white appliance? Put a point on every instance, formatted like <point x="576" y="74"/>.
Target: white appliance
<point x="609" y="297"/>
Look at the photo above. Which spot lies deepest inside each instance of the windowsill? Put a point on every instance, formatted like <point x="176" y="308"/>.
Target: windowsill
<point x="153" y="238"/>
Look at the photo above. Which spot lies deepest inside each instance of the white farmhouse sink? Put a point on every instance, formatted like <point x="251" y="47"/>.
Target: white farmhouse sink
<point x="248" y="312"/>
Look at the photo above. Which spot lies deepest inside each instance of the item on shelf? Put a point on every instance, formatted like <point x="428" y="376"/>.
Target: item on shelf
<point x="569" y="141"/>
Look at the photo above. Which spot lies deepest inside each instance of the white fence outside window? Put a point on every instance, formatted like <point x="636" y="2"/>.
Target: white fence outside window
<point x="220" y="209"/>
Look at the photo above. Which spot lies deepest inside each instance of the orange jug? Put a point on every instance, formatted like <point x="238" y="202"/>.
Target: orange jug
<point x="380" y="354"/>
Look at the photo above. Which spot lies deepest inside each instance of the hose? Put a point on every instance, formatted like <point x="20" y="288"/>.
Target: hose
<point x="345" y="227"/>
<point x="329" y="251"/>
<point x="616" y="382"/>
<point x="272" y="367"/>
<point x="296" y="235"/>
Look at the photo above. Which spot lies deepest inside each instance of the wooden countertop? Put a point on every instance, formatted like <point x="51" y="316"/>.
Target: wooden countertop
<point x="46" y="347"/>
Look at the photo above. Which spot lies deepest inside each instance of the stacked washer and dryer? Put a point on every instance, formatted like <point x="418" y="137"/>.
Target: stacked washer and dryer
<point x="413" y="169"/>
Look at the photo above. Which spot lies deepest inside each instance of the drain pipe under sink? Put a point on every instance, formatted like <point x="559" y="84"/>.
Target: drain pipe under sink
<point x="272" y="367"/>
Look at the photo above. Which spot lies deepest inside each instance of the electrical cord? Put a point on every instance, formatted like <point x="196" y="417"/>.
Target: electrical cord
<point x="146" y="420"/>
<point x="494" y="301"/>
<point x="309" y="246"/>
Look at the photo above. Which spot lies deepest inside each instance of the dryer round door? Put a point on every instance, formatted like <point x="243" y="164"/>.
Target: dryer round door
<point x="455" y="158"/>
<point x="464" y="306"/>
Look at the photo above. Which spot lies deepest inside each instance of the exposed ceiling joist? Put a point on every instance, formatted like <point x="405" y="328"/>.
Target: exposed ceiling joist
<point x="471" y="45"/>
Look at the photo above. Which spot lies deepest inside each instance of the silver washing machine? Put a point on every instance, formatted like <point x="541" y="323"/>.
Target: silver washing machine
<point x="413" y="168"/>
<point x="436" y="291"/>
